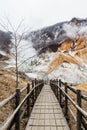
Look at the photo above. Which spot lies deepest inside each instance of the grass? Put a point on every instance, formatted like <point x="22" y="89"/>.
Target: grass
<point x="7" y="87"/>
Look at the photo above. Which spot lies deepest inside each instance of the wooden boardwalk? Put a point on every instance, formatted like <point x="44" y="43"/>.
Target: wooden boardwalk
<point x="47" y="113"/>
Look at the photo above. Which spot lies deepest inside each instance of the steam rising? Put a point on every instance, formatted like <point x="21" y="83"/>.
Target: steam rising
<point x="72" y="31"/>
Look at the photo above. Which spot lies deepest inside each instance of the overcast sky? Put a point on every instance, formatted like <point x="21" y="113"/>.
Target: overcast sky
<point x="40" y="13"/>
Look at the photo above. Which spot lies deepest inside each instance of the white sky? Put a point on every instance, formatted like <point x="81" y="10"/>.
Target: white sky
<point x="40" y="13"/>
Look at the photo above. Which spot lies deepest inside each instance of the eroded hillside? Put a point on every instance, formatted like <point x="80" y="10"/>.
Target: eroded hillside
<point x="8" y="82"/>
<point x="60" y="52"/>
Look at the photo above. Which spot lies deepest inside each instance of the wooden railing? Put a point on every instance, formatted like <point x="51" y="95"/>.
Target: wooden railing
<point x="61" y="91"/>
<point x="14" y="120"/>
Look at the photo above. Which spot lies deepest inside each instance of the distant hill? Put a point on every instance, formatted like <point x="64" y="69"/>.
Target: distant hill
<point x="50" y="38"/>
<point x="53" y="37"/>
<point x="5" y="41"/>
<point x="65" y="51"/>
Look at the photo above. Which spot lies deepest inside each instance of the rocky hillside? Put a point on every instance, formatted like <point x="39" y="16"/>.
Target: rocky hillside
<point x="59" y="51"/>
<point x="5" y="41"/>
<point x="54" y="52"/>
<point x="51" y="38"/>
<point x="67" y="44"/>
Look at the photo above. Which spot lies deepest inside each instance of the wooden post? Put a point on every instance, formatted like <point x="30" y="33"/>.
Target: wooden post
<point x="57" y="89"/>
<point x="38" y="89"/>
<point x="60" y="92"/>
<point x="33" y="92"/>
<point x="54" y="87"/>
<point x="79" y="115"/>
<point x="51" y="84"/>
<point x="28" y="100"/>
<point x="42" y="84"/>
<point x="66" y="101"/>
<point x="35" y="81"/>
<point x="17" y="116"/>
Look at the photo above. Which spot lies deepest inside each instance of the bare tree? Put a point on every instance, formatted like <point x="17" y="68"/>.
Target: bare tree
<point x="17" y="40"/>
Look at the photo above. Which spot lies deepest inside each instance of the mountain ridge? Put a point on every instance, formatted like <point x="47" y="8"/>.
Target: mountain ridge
<point x="56" y="34"/>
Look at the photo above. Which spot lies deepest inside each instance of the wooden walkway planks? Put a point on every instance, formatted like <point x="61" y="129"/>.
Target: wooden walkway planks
<point x="47" y="113"/>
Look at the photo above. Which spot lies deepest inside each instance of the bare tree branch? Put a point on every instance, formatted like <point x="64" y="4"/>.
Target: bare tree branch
<point x="3" y="26"/>
<point x="20" y="39"/>
<point x="11" y="25"/>
<point x="19" y="25"/>
<point x="17" y="40"/>
<point x="27" y="60"/>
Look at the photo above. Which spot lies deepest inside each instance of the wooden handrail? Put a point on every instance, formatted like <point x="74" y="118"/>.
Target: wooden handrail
<point x="73" y="103"/>
<point x="75" y="91"/>
<point x="5" y="101"/>
<point x="7" y="124"/>
<point x="63" y="98"/>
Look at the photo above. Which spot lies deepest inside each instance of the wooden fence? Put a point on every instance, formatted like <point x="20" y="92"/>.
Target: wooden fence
<point x="14" y="119"/>
<point x="61" y="91"/>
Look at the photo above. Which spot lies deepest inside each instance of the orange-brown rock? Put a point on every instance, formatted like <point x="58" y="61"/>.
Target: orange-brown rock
<point x="80" y="43"/>
<point x="82" y="54"/>
<point x="67" y="45"/>
<point x="61" y="59"/>
<point x="75" y="44"/>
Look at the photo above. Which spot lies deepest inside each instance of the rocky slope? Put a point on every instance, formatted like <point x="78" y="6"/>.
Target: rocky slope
<point x="5" y="41"/>
<point x="58" y="51"/>
<point x="51" y="38"/>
